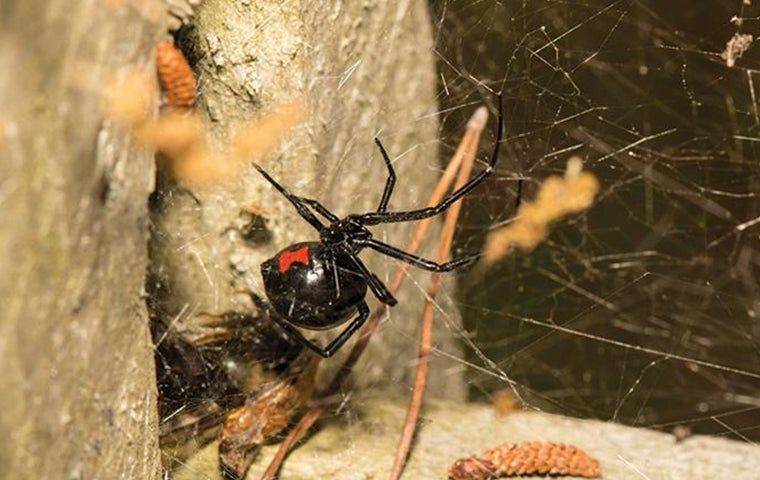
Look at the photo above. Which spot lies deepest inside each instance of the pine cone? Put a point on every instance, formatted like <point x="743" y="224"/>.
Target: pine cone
<point x="175" y="76"/>
<point x="528" y="458"/>
<point x="542" y="458"/>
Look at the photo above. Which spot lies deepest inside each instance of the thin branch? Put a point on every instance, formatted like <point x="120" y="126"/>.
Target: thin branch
<point x="420" y="380"/>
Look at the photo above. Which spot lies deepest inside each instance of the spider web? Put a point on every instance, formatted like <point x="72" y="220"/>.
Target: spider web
<point x="644" y="309"/>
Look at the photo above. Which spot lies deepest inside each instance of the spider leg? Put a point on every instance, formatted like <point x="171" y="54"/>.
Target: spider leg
<point x="374" y="218"/>
<point x="375" y="284"/>
<point x="420" y="262"/>
<point x="319" y="208"/>
<point x="336" y="343"/>
<point x="258" y="301"/>
<point x="352" y="327"/>
<point x="390" y="182"/>
<point x="296" y="201"/>
<point x="294" y="333"/>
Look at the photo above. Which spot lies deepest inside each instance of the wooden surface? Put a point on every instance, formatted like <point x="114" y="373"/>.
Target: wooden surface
<point x="360" y="445"/>
<point x="77" y="388"/>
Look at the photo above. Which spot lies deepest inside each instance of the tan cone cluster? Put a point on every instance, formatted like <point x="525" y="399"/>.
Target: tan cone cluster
<point x="557" y="197"/>
<point x="180" y="136"/>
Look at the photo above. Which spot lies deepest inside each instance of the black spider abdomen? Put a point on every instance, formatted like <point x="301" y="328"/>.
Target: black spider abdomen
<point x="303" y="286"/>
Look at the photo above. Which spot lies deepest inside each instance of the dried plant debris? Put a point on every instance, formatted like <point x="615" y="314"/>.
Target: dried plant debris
<point x="207" y="369"/>
<point x="181" y="12"/>
<point x="261" y="136"/>
<point x="251" y="226"/>
<point x="234" y="376"/>
<point x="472" y="468"/>
<point x="264" y="416"/>
<point x="175" y="76"/>
<point x="505" y="403"/>
<point x="681" y="432"/>
<point x="257" y="210"/>
<point x="129" y="98"/>
<point x="528" y="458"/>
<point x="180" y="137"/>
<point x="557" y="197"/>
<point x="736" y="47"/>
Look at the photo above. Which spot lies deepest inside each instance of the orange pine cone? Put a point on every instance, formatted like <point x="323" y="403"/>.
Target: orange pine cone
<point x="528" y="458"/>
<point x="175" y="76"/>
<point x="542" y="458"/>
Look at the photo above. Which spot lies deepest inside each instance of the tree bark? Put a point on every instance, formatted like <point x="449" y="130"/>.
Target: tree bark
<point x="77" y="380"/>
<point x="364" y="69"/>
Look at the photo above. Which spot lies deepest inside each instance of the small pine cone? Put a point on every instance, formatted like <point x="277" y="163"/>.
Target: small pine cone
<point x="472" y="468"/>
<point x="175" y="76"/>
<point x="542" y="458"/>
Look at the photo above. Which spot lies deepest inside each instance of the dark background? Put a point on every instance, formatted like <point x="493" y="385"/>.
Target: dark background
<point x="643" y="310"/>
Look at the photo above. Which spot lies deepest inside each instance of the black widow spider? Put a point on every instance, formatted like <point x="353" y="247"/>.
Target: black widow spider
<point x="320" y="285"/>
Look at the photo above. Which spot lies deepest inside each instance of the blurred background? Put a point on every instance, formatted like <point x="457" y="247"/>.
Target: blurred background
<point x="644" y="309"/>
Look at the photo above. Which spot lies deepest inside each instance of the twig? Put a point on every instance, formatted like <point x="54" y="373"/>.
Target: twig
<point x="470" y="138"/>
<point x="426" y="334"/>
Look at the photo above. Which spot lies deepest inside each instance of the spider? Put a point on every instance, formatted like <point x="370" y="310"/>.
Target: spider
<point x="319" y="285"/>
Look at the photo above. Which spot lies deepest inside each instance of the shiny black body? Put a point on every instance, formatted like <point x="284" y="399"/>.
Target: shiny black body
<point x="320" y="285"/>
<point x="318" y="295"/>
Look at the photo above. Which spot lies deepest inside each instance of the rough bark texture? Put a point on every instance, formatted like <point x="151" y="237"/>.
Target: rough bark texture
<point x="361" y="68"/>
<point x="77" y="387"/>
<point x="362" y="446"/>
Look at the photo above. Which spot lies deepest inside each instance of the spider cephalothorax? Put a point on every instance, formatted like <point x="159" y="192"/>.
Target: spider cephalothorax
<point x="320" y="285"/>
